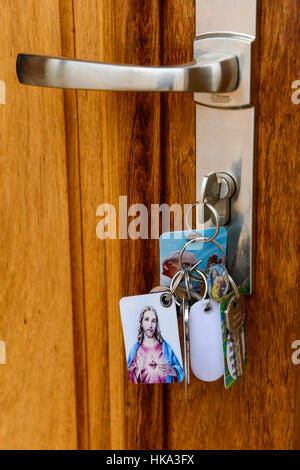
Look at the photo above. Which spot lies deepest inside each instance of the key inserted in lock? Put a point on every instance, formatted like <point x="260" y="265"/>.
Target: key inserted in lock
<point x="217" y="189"/>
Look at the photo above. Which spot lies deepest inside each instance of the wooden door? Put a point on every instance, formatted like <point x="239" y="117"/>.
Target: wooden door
<point x="63" y="153"/>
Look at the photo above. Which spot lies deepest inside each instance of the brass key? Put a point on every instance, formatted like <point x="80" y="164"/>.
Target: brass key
<point x="235" y="315"/>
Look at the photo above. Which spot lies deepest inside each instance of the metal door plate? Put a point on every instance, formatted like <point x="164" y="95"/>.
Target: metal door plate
<point x="232" y="16"/>
<point x="225" y="124"/>
<point x="241" y="47"/>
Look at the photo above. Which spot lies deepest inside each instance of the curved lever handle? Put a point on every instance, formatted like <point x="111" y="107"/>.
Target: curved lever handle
<point x="211" y="72"/>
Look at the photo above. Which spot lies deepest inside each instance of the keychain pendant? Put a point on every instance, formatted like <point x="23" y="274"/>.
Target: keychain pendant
<point x="218" y="282"/>
<point x="206" y="346"/>
<point x="151" y="339"/>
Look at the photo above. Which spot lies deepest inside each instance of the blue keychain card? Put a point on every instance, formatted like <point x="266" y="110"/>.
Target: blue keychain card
<point x="171" y="243"/>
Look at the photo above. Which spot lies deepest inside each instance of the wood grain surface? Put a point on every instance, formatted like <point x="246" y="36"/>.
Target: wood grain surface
<point x="258" y="412"/>
<point x="37" y="392"/>
<point x="277" y="261"/>
<point x="63" y="154"/>
<point x="75" y="222"/>
<point x="119" y="148"/>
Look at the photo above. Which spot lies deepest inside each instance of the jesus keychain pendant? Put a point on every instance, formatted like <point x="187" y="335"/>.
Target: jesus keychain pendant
<point x="151" y="339"/>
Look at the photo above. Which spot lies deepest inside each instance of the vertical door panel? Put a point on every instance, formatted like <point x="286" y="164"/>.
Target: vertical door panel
<point x="119" y="149"/>
<point x="37" y="394"/>
<point x="259" y="411"/>
<point x="273" y="312"/>
<point x="75" y="217"/>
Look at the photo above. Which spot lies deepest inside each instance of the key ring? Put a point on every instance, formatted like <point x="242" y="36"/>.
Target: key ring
<point x="166" y="297"/>
<point x="188" y="285"/>
<point x="190" y="273"/>
<point x="190" y="289"/>
<point x="176" y="279"/>
<point x="214" y="212"/>
<point x="204" y="240"/>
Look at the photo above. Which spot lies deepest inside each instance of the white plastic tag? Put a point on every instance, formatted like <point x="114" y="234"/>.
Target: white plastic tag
<point x="206" y="346"/>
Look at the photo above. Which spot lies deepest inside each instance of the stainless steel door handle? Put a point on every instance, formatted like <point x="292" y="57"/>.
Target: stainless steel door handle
<point x="212" y="72"/>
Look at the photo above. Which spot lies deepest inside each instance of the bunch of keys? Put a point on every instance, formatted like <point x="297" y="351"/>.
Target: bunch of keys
<point x="199" y="296"/>
<point x="150" y="322"/>
<point x="216" y="283"/>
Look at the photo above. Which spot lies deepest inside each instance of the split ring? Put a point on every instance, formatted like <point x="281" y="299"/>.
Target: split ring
<point x="214" y="212"/>
<point x="204" y="240"/>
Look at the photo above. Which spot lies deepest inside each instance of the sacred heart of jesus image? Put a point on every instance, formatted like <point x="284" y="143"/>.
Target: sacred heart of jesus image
<point x="151" y="340"/>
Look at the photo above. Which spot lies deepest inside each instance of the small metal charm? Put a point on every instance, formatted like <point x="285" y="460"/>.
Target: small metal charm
<point x="218" y="282"/>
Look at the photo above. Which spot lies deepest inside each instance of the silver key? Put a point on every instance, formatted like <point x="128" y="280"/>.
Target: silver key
<point x="185" y="310"/>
